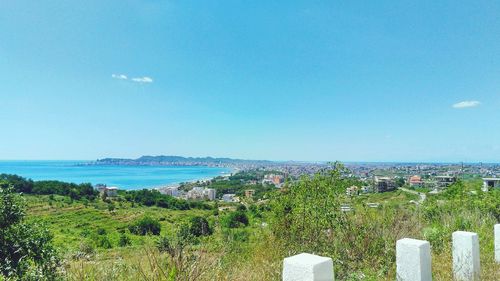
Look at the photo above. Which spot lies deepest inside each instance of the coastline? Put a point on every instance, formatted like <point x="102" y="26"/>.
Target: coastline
<point x="124" y="177"/>
<point x="178" y="184"/>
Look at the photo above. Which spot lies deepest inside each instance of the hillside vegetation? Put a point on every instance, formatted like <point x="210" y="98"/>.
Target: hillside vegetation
<point x="127" y="239"/>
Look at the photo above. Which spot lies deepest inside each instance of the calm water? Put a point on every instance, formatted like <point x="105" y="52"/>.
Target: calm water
<point x="124" y="177"/>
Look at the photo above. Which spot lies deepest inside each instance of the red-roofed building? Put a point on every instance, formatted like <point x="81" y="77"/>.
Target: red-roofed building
<point x="415" y="181"/>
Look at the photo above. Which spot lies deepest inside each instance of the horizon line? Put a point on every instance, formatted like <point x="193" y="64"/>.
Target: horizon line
<point x="284" y="161"/>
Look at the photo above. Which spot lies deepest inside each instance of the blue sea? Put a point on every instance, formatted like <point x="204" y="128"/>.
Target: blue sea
<point x="123" y="177"/>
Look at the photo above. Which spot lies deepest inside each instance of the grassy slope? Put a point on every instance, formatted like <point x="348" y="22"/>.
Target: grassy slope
<point x="254" y="258"/>
<point x="70" y="221"/>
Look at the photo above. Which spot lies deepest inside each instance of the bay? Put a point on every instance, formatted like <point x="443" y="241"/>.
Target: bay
<point x="123" y="177"/>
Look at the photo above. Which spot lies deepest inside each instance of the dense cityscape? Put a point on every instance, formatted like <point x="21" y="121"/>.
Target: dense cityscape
<point x="372" y="177"/>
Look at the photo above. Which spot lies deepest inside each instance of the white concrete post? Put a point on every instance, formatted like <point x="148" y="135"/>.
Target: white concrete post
<point x="307" y="267"/>
<point x="466" y="264"/>
<point x="413" y="260"/>
<point x="497" y="243"/>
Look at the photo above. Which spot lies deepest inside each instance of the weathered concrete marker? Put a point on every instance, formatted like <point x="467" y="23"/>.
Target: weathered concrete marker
<point x="413" y="260"/>
<point x="497" y="243"/>
<point x="466" y="264"/>
<point x="307" y="267"/>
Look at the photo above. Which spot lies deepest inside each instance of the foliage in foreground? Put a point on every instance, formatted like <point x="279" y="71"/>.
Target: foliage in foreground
<point x="250" y="243"/>
<point x="307" y="218"/>
<point x="25" y="248"/>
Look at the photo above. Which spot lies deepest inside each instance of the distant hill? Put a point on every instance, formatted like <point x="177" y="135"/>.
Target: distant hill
<point x="181" y="161"/>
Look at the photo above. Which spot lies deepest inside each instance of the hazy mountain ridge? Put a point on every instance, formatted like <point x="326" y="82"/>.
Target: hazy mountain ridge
<point x="173" y="160"/>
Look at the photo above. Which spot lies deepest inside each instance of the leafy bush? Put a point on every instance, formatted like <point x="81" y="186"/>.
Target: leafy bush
<point x="146" y="225"/>
<point x="25" y="248"/>
<point x="124" y="240"/>
<point x="74" y="191"/>
<point x="163" y="244"/>
<point x="19" y="183"/>
<point x="306" y="217"/>
<point x="104" y="242"/>
<point x="149" y="197"/>
<point x="437" y="237"/>
<point x="235" y="219"/>
<point x="199" y="226"/>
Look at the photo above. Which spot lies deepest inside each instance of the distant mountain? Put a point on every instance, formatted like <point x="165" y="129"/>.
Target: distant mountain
<point x="181" y="161"/>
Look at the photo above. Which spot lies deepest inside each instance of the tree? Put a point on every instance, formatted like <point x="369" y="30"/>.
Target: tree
<point x="26" y="248"/>
<point x="146" y="225"/>
<point x="400" y="181"/>
<point x="199" y="227"/>
<point x="236" y="219"/>
<point x="19" y="184"/>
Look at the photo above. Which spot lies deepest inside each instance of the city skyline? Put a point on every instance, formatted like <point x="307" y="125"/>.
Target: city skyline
<point x="322" y="81"/>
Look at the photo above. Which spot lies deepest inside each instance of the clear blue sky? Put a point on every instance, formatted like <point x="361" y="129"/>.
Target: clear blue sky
<point x="279" y="80"/>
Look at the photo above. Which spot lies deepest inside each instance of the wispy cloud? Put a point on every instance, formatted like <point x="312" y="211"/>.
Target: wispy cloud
<point x="466" y="104"/>
<point x="144" y="79"/>
<point x="119" y="76"/>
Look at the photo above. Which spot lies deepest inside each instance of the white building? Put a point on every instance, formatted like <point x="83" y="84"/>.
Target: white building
<point x="172" y="191"/>
<point x="490" y="183"/>
<point x="112" y="191"/>
<point x="444" y="181"/>
<point x="383" y="184"/>
<point x="196" y="193"/>
<point x="210" y="193"/>
<point x="200" y="193"/>
<point x="228" y="197"/>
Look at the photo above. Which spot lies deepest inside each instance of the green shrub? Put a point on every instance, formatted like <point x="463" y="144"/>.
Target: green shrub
<point x="235" y="219"/>
<point x="306" y="217"/>
<point x="437" y="237"/>
<point x="146" y="225"/>
<point x="25" y="248"/>
<point x="124" y="240"/>
<point x="163" y="244"/>
<point x="101" y="231"/>
<point x="199" y="226"/>
<point x="104" y="242"/>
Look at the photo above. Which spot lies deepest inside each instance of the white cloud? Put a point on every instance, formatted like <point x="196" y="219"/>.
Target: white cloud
<point x="119" y="76"/>
<point x="144" y="79"/>
<point x="466" y="104"/>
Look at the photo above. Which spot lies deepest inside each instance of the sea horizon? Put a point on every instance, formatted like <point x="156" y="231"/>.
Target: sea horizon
<point x="129" y="177"/>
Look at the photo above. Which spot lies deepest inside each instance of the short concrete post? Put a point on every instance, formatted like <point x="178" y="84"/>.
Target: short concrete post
<point x="497" y="243"/>
<point x="466" y="264"/>
<point x="413" y="260"/>
<point x="307" y="267"/>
